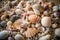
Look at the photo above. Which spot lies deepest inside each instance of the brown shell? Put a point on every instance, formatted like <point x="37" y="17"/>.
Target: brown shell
<point x="30" y="32"/>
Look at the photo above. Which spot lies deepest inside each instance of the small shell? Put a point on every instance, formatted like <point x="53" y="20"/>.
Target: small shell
<point x="57" y="32"/>
<point x="18" y="11"/>
<point x="45" y="13"/>
<point x="55" y="8"/>
<point x="37" y="12"/>
<point x="3" y="17"/>
<point x="46" y="37"/>
<point x="30" y="32"/>
<point x="19" y="37"/>
<point x="9" y="23"/>
<point x="46" y="21"/>
<point x="33" y="18"/>
<point x="37" y="25"/>
<point x="54" y="25"/>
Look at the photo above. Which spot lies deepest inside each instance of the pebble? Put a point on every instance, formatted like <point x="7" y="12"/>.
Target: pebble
<point x="19" y="37"/>
<point x="46" y="37"/>
<point x="14" y="18"/>
<point x="4" y="34"/>
<point x="57" y="31"/>
<point x="46" y="21"/>
<point x="55" y="8"/>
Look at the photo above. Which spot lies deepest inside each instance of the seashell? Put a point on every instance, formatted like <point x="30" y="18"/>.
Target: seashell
<point x="56" y="14"/>
<point x="54" y="25"/>
<point x="18" y="11"/>
<point x="37" y="12"/>
<point x="4" y="34"/>
<point x="16" y="24"/>
<point x="3" y="17"/>
<point x="46" y="13"/>
<point x="6" y="7"/>
<point x="46" y="37"/>
<point x="46" y="21"/>
<point x="57" y="32"/>
<point x="31" y="32"/>
<point x="33" y="18"/>
<point x="36" y="7"/>
<point x="19" y="37"/>
<point x="9" y="23"/>
<point x="55" y="8"/>
<point x="37" y="25"/>
<point x="10" y="38"/>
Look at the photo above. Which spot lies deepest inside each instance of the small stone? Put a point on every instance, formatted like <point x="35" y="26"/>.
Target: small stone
<point x="57" y="31"/>
<point x="46" y="37"/>
<point x="55" y="8"/>
<point x="46" y="21"/>
<point x="19" y="37"/>
<point x="4" y="34"/>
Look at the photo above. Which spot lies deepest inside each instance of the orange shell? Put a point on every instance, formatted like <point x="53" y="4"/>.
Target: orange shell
<point x="33" y="18"/>
<point x="30" y="32"/>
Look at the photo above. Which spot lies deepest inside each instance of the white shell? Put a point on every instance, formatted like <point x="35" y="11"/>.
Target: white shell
<point x="57" y="31"/>
<point x="46" y="21"/>
<point x="55" y="8"/>
<point x="18" y="11"/>
<point x="46" y="37"/>
<point x="54" y="25"/>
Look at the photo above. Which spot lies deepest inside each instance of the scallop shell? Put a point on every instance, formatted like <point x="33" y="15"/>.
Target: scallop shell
<point x="30" y="32"/>
<point x="33" y="18"/>
<point x="46" y="21"/>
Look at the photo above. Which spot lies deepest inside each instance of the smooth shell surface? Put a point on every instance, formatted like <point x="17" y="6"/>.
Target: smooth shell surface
<point x="46" y="21"/>
<point x="4" y="34"/>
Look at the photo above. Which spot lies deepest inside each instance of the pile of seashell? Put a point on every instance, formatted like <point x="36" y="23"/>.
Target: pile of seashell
<point x="30" y="20"/>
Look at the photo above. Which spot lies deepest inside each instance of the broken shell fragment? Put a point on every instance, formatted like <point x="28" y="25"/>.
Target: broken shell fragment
<point x="31" y="32"/>
<point x="46" y="21"/>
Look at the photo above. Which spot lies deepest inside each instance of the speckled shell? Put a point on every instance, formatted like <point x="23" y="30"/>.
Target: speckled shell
<point x="46" y="21"/>
<point x="30" y="32"/>
<point x="4" y="34"/>
<point x="19" y="37"/>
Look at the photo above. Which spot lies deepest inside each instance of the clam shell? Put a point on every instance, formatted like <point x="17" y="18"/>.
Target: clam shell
<point x="30" y="32"/>
<point x="4" y="34"/>
<point x="46" y="21"/>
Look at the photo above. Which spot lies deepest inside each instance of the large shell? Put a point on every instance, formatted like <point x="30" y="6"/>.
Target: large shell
<point x="46" y="21"/>
<point x="30" y="32"/>
<point x="33" y="18"/>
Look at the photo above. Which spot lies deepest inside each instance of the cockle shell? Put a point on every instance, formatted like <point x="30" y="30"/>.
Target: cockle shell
<point x="46" y="21"/>
<point x="33" y="18"/>
<point x="30" y="32"/>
